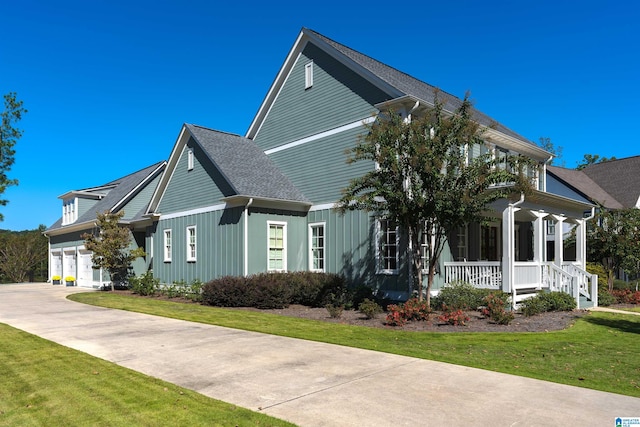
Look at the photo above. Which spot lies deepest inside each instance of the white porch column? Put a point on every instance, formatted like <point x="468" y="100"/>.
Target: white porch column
<point x="508" y="243"/>
<point x="558" y="242"/>
<point x="581" y="243"/>
<point x="539" y="242"/>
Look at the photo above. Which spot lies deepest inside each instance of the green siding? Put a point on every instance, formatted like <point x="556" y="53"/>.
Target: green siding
<point x="319" y="169"/>
<point x="338" y="96"/>
<point x="219" y="246"/>
<point x="202" y="186"/>
<point x="141" y="200"/>
<point x="68" y="240"/>
<point x="84" y="205"/>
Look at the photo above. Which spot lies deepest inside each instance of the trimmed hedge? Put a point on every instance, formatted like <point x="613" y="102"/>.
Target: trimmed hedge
<point x="547" y="301"/>
<point x="277" y="290"/>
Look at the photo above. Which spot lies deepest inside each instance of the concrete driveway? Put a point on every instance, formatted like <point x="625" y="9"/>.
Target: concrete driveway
<point x="307" y="383"/>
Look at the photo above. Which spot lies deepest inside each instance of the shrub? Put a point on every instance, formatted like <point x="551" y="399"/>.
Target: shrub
<point x="227" y="291"/>
<point x="412" y="309"/>
<point x="494" y="309"/>
<point x="459" y="296"/>
<point x="626" y="296"/>
<point x="369" y="308"/>
<point x="547" y="301"/>
<point x="453" y="317"/>
<point x="335" y="310"/>
<point x="144" y="284"/>
<point x="195" y="290"/>
<point x="605" y="298"/>
<point x="270" y="290"/>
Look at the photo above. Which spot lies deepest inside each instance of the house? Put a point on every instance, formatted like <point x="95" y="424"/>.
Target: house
<point x="232" y="205"/>
<point x="131" y="194"/>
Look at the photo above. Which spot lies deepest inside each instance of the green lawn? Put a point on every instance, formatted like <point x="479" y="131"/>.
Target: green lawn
<point x="43" y="383"/>
<point x="600" y="351"/>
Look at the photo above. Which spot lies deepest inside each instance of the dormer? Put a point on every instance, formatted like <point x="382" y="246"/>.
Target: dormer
<point x="75" y="203"/>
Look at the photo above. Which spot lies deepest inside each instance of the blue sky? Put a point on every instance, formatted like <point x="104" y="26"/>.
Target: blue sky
<point x="108" y="84"/>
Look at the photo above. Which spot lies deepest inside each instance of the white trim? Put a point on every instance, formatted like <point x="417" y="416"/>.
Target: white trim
<point x="170" y="168"/>
<point x="284" y="244"/>
<point x="196" y="211"/>
<point x="190" y="257"/>
<point x="190" y="160"/>
<point x="308" y="75"/>
<point x="167" y="254"/>
<point x="322" y="207"/>
<point x="320" y="135"/>
<point x="324" y="245"/>
<point x="143" y="183"/>
<point x="380" y="270"/>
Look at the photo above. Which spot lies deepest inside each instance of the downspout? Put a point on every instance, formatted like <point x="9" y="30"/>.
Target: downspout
<point x="246" y="237"/>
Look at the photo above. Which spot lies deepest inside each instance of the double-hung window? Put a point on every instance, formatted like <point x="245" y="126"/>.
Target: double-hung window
<point x="387" y="247"/>
<point x="277" y="246"/>
<point x="167" y="245"/>
<point x="191" y="243"/>
<point x="316" y="247"/>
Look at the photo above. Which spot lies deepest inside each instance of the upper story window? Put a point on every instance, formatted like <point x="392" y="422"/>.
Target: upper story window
<point x="69" y="211"/>
<point x="189" y="158"/>
<point x="308" y="75"/>
<point x="387" y="247"/>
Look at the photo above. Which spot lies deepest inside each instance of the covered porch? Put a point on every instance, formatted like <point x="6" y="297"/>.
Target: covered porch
<point x="522" y="251"/>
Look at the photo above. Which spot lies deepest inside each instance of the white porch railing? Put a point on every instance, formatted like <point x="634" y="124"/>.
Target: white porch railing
<point x="481" y="274"/>
<point x="528" y="277"/>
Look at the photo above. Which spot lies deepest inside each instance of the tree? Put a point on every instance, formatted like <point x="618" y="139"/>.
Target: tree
<point x="9" y="135"/>
<point x="23" y="255"/>
<point x="110" y="247"/>
<point x="545" y="143"/>
<point x="592" y="159"/>
<point x="612" y="240"/>
<point x="424" y="180"/>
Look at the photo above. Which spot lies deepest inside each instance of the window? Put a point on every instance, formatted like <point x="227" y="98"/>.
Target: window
<point x="316" y="247"/>
<point x="167" y="245"/>
<point x="69" y="211"/>
<point x="551" y="227"/>
<point x="191" y="244"/>
<point x="387" y="246"/>
<point x="277" y="248"/>
<point x="308" y="75"/>
<point x="462" y="251"/>
<point x="190" y="159"/>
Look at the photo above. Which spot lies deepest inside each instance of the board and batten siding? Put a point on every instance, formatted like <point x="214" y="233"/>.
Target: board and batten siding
<point x="338" y="97"/>
<point x="219" y="244"/>
<point x="84" y="205"/>
<point x="199" y="187"/>
<point x="319" y="168"/>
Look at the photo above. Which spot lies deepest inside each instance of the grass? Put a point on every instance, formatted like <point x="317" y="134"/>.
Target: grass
<point x="598" y="352"/>
<point x="43" y="383"/>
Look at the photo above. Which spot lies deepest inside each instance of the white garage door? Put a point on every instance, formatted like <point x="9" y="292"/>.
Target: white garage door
<point x="56" y="263"/>
<point x="85" y="272"/>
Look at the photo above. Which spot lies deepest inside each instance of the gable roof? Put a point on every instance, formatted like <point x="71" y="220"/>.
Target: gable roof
<point x="620" y="178"/>
<point x="586" y="186"/>
<point x="396" y="83"/>
<point x="113" y="195"/>
<point x="245" y="167"/>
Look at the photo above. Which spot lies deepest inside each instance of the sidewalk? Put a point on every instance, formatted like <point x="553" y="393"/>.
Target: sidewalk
<point x="307" y="383"/>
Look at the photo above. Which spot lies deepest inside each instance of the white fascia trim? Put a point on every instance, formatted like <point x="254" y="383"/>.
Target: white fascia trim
<point x="322" y="207"/>
<point x="138" y="187"/>
<point x="170" y="167"/>
<point x="320" y="135"/>
<point x="193" y="211"/>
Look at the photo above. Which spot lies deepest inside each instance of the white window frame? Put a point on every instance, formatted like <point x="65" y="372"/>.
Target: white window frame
<point x="192" y="246"/>
<point x="462" y="249"/>
<point x="69" y="211"/>
<point x="190" y="158"/>
<point x="381" y="265"/>
<point x="167" y="244"/>
<point x="284" y="245"/>
<point x="313" y="248"/>
<point x="308" y="75"/>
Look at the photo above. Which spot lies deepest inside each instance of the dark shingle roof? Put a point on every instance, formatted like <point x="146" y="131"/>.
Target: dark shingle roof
<point x="410" y="85"/>
<point x="620" y="178"/>
<point x="121" y="188"/>
<point x="245" y="166"/>
<point x="585" y="185"/>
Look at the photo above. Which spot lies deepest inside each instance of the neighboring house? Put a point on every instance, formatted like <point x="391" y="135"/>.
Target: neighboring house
<point x="232" y="205"/>
<point x="131" y="194"/>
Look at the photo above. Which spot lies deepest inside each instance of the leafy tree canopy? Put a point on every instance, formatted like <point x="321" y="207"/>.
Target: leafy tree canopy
<point x="9" y="135"/>
<point x="591" y="159"/>
<point x="546" y="144"/>
<point x="426" y="182"/>
<point x="110" y="247"/>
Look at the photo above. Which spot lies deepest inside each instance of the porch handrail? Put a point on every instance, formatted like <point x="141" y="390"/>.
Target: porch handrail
<point x="481" y="274"/>
<point x="559" y="280"/>
<point x="587" y="282"/>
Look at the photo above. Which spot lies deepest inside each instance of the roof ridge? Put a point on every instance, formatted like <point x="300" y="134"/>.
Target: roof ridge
<point x="217" y="131"/>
